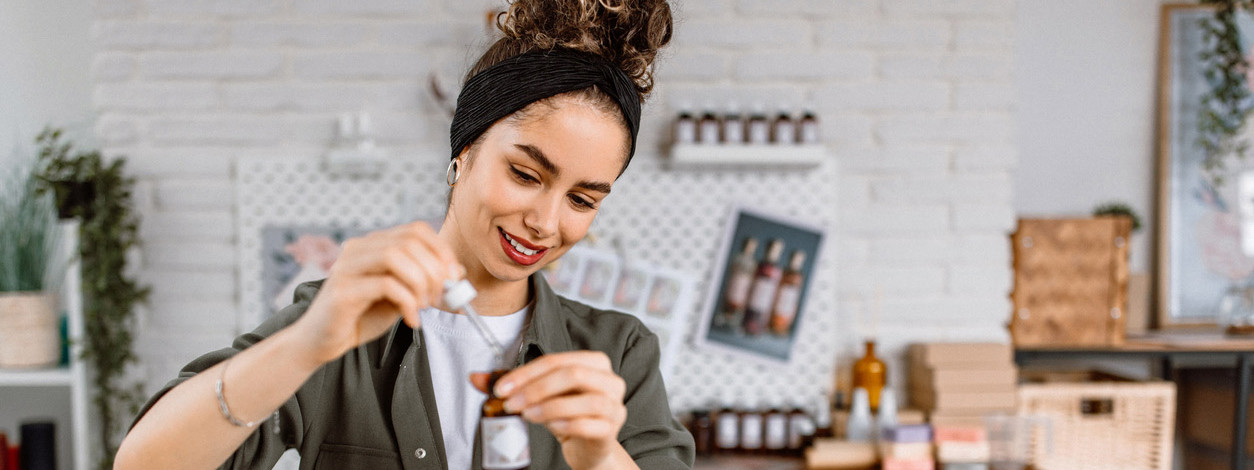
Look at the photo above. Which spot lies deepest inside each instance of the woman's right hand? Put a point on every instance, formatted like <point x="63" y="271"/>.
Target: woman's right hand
<point x="378" y="277"/>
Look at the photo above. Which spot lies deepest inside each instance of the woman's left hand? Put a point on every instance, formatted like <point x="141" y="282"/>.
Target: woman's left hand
<point x="579" y="398"/>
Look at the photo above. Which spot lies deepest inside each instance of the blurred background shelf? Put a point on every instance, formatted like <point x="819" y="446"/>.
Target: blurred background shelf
<point x="36" y="378"/>
<point x="756" y="156"/>
<point x="37" y="393"/>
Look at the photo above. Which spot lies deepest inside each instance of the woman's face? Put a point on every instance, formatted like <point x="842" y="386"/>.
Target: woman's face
<point x="533" y="187"/>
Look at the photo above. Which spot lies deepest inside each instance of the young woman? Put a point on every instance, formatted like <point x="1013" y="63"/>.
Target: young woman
<point x="365" y="371"/>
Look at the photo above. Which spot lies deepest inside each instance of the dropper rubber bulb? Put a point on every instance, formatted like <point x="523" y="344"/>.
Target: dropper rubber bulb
<point x="457" y="296"/>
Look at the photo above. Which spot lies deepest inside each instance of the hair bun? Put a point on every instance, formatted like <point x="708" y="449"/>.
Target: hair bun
<point x="627" y="33"/>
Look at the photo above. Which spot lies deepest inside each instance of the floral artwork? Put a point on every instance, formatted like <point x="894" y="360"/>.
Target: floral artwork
<point x="295" y="255"/>
<point x="1200" y="226"/>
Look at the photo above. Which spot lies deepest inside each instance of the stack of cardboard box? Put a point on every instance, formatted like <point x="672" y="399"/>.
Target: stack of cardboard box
<point x="906" y="447"/>
<point x="960" y="383"/>
<point x="961" y="448"/>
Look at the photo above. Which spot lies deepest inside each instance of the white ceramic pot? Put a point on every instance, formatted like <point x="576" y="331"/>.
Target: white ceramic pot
<point x="30" y="336"/>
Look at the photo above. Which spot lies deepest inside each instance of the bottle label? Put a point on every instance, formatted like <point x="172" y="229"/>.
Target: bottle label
<point x="776" y="431"/>
<point x="733" y="132"/>
<point x="728" y="432"/>
<point x="686" y="131"/>
<point x="786" y="304"/>
<point x="709" y="132"/>
<point x="738" y="288"/>
<point x="809" y="132"/>
<point x="798" y="427"/>
<point x="763" y="294"/>
<point x="505" y="443"/>
<point x="759" y="132"/>
<point x="751" y="432"/>
<point x="785" y="133"/>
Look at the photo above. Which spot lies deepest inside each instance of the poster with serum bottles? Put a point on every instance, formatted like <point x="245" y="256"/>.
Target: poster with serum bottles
<point x="759" y="286"/>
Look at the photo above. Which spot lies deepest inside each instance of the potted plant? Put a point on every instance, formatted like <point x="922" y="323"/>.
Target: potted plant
<point x="98" y="192"/>
<point x="29" y="324"/>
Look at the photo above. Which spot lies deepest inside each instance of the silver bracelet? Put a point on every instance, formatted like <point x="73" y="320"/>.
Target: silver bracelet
<point x="226" y="411"/>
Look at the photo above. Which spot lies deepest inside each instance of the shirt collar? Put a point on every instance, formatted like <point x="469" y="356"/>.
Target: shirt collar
<point x="547" y="331"/>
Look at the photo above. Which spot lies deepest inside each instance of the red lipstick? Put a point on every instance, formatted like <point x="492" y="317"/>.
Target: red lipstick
<point x="518" y="256"/>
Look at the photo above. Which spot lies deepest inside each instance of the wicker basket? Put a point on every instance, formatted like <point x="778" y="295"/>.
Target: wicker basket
<point x="1103" y="426"/>
<point x="30" y="336"/>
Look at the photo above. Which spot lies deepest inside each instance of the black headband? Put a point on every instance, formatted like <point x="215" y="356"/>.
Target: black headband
<point x="514" y="83"/>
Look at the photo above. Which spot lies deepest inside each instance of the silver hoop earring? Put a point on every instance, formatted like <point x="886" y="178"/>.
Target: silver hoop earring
<point x="453" y="173"/>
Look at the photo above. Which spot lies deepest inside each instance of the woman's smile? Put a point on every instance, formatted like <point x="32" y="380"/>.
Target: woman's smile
<point x="519" y="250"/>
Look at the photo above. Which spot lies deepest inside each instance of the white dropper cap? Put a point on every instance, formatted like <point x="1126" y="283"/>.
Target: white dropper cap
<point x="458" y="294"/>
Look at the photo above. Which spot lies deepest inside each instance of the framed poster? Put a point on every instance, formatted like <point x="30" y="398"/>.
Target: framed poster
<point x="758" y="289"/>
<point x="1201" y="267"/>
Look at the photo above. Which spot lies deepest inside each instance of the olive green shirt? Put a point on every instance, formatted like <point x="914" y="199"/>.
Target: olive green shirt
<point x="374" y="408"/>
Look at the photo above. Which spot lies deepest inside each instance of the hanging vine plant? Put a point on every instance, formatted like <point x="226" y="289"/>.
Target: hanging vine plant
<point x="99" y="194"/>
<point x="1226" y="105"/>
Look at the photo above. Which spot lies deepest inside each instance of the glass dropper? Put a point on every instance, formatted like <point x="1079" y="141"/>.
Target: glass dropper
<point x="457" y="296"/>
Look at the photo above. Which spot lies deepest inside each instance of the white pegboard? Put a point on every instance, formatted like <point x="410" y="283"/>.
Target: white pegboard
<point x="674" y="219"/>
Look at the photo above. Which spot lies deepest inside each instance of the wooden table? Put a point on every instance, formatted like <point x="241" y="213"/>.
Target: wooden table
<point x="1169" y="348"/>
<point x="720" y="462"/>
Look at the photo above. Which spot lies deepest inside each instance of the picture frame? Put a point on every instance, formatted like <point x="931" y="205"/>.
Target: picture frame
<point x="1200" y="265"/>
<point x="735" y="317"/>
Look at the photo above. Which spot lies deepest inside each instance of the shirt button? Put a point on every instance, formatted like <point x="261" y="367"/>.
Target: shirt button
<point x="420" y="453"/>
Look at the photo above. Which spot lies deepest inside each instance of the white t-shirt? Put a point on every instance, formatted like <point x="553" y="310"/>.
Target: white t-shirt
<point x="455" y="349"/>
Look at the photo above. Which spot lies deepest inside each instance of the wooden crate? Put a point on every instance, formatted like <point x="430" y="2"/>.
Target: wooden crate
<point x="1070" y="281"/>
<point x="1103" y="426"/>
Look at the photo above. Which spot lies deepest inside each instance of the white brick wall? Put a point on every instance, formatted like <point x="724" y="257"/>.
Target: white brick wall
<point x="916" y="100"/>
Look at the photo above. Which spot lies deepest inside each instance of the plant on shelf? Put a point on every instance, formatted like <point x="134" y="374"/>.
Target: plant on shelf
<point x="1227" y="104"/>
<point x="99" y="194"/>
<point x="1114" y="209"/>
<point x="29" y="240"/>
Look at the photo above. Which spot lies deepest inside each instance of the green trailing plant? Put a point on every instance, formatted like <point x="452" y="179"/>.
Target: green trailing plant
<point x="28" y="232"/>
<point x="99" y="194"/>
<point x="1119" y="209"/>
<point x="1227" y="103"/>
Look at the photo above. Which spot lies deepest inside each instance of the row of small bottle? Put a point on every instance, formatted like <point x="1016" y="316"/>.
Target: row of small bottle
<point x="759" y="295"/>
<point x="732" y="128"/>
<point x="746" y="430"/>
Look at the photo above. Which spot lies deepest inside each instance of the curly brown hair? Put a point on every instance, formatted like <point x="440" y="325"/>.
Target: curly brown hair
<point x="627" y="33"/>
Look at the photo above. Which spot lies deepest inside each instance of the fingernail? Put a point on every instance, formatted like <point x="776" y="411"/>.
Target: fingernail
<point x="514" y="404"/>
<point x="531" y="413"/>
<point x="559" y="426"/>
<point x="453" y="272"/>
<point x="503" y="388"/>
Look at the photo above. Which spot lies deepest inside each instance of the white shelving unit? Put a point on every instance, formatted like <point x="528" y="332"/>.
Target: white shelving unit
<point x="699" y="156"/>
<point x="74" y="376"/>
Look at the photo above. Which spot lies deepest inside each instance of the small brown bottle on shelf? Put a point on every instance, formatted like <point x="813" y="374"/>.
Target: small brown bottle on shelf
<point x="758" y="129"/>
<point x="808" y="130"/>
<point x="783" y="129"/>
<point x="870" y="373"/>
<point x="751" y="427"/>
<point x="686" y="128"/>
<point x="702" y="429"/>
<point x="800" y="430"/>
<point x="709" y="129"/>
<point x="726" y="429"/>
<point x="788" y="297"/>
<point x="823" y="418"/>
<point x="775" y="431"/>
<point x="506" y="445"/>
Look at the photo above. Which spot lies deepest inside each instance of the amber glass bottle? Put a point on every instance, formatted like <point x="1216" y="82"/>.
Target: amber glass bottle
<point x="869" y="373"/>
<point x="506" y="445"/>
